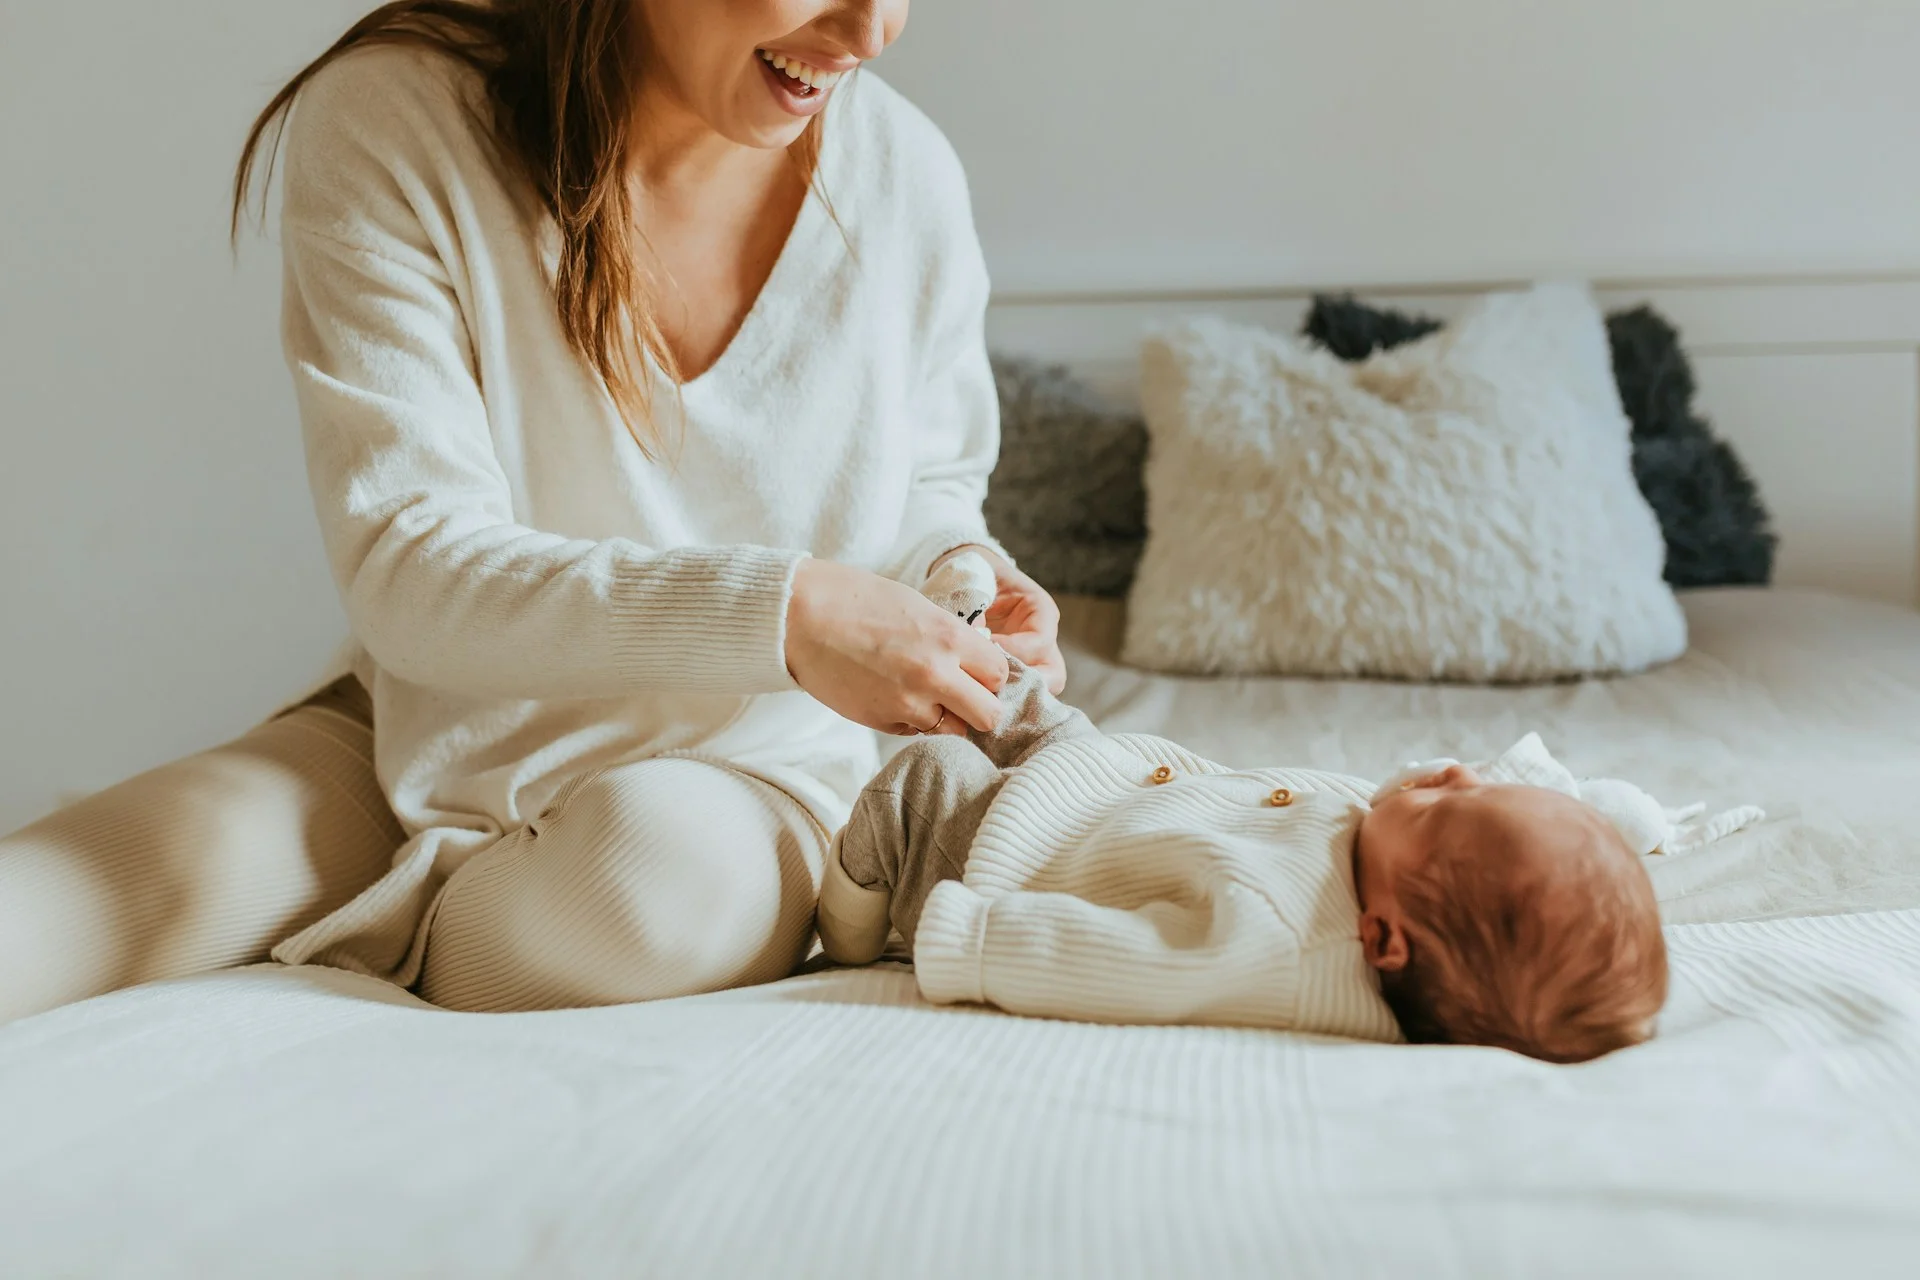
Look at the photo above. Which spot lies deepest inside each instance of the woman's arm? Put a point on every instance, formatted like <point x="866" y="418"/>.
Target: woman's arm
<point x="957" y="442"/>
<point x="442" y="586"/>
<point x="956" y="407"/>
<point x="956" y="438"/>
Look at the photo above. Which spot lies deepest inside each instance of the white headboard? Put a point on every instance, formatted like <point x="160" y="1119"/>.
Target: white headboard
<point x="1815" y="381"/>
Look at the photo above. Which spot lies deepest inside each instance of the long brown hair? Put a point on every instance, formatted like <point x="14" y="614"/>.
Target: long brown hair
<point x="561" y="75"/>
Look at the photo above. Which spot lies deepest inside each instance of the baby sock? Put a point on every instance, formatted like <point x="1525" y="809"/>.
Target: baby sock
<point x="964" y="585"/>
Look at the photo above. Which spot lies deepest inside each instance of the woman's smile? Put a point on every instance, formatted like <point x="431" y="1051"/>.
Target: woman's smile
<point x="799" y="86"/>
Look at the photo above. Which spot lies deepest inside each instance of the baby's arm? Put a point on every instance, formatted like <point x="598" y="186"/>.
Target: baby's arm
<point x="1052" y="955"/>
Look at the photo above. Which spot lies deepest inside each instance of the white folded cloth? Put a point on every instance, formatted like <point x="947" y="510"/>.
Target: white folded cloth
<point x="1647" y="826"/>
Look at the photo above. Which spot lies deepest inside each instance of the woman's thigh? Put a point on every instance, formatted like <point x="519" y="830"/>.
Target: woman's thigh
<point x="201" y="864"/>
<point x="663" y="878"/>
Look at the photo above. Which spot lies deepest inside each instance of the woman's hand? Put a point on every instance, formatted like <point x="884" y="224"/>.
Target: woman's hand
<point x="885" y="656"/>
<point x="1023" y="618"/>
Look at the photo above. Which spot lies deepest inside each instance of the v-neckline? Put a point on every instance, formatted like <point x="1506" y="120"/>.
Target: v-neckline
<point x="771" y="289"/>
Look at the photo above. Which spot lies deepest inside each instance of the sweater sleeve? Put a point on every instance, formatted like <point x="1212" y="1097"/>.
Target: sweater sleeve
<point x="1054" y="955"/>
<point x="443" y="585"/>
<point x="957" y="424"/>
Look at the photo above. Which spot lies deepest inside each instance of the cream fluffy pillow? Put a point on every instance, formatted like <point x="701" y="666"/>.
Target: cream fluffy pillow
<point x="1460" y="509"/>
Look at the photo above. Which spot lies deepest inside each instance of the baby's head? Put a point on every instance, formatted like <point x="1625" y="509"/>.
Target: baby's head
<point x="1509" y="916"/>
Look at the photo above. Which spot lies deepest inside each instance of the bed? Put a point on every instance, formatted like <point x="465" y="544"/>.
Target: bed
<point x="309" y="1123"/>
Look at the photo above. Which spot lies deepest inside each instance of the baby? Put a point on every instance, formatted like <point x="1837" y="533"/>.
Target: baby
<point x="1053" y="870"/>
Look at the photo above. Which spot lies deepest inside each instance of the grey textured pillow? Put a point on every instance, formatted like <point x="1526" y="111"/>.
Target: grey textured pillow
<point x="1068" y="499"/>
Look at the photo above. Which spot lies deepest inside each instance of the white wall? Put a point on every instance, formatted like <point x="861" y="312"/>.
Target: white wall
<point x="160" y="580"/>
<point x="160" y="577"/>
<point x="1154" y="144"/>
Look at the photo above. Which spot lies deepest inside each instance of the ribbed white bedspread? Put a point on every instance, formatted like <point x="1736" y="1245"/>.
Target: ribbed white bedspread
<point x="277" y="1122"/>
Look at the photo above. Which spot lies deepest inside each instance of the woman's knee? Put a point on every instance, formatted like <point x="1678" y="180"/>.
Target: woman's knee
<point x="660" y="879"/>
<point x="682" y="858"/>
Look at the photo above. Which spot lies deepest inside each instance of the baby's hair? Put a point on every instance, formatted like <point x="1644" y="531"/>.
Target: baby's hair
<point x="1553" y="951"/>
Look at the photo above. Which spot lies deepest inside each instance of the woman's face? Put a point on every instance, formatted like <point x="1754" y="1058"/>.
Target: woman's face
<point x="757" y="70"/>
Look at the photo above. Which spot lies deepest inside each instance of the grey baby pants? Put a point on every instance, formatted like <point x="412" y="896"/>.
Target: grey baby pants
<point x="914" y="824"/>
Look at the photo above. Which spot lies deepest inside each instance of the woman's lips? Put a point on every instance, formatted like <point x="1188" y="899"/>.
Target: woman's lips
<point x="794" y="94"/>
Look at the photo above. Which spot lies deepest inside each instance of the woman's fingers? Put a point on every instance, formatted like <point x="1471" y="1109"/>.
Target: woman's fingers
<point x="984" y="660"/>
<point x="948" y="725"/>
<point x="968" y="700"/>
<point x="1032" y="650"/>
<point x="970" y="687"/>
<point x="1040" y="653"/>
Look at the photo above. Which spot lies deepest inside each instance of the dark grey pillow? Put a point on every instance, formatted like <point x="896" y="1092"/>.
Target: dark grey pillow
<point x="1717" y="530"/>
<point x="1068" y="498"/>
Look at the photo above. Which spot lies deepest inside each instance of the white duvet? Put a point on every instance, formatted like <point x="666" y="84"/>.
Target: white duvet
<point x="276" y="1122"/>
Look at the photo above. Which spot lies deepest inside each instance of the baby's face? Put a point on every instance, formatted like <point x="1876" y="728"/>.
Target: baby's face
<point x="1397" y="834"/>
<point x="1526" y="826"/>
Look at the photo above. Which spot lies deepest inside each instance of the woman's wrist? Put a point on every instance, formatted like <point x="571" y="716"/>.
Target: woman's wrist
<point x="799" y="600"/>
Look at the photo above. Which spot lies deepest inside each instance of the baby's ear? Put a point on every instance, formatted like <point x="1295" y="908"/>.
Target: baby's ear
<point x="1385" y="944"/>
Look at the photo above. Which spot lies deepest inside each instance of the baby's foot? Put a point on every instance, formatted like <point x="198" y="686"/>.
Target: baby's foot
<point x="854" y="921"/>
<point x="965" y="587"/>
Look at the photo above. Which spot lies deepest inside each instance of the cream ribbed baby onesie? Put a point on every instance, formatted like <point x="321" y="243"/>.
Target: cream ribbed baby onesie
<point x="1109" y="879"/>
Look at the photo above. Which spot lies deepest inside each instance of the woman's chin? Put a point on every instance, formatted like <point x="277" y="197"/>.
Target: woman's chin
<point x="755" y="120"/>
<point x="767" y="135"/>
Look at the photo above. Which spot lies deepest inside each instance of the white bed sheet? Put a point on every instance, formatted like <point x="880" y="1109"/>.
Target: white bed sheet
<point x="307" y="1123"/>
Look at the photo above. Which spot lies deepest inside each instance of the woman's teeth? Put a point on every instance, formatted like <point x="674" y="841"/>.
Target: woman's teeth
<point x="794" y="69"/>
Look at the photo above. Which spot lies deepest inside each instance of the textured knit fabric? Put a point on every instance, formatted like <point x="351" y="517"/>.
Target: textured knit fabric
<point x="1463" y="508"/>
<point x="1717" y="529"/>
<point x="1124" y="879"/>
<point x="663" y="878"/>
<point x="909" y="830"/>
<point x="533" y="598"/>
<point x="913" y="825"/>
<point x="198" y="865"/>
<point x="294" y="1122"/>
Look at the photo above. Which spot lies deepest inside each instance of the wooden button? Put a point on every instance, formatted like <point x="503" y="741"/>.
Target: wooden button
<point x="1281" y="798"/>
<point x="1162" y="775"/>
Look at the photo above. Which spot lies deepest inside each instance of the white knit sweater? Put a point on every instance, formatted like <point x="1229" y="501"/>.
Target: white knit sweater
<point x="531" y="596"/>
<point x="1125" y="879"/>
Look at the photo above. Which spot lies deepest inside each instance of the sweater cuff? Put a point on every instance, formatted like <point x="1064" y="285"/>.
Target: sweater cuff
<point x="706" y="620"/>
<point x="949" y="947"/>
<point x="917" y="561"/>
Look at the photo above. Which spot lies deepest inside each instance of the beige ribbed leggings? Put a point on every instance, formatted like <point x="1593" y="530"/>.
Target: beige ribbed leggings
<point x="198" y="865"/>
<point x="662" y="878"/>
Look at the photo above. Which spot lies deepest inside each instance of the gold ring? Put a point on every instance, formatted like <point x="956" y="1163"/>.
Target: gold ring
<point x="937" y="723"/>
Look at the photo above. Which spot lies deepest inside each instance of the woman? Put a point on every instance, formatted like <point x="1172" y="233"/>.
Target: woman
<point x="639" y="354"/>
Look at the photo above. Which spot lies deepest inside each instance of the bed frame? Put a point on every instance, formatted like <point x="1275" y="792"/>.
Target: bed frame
<point x="1815" y="380"/>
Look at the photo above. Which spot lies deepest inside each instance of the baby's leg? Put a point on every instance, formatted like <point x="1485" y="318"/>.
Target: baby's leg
<point x="910" y="829"/>
<point x="1030" y="718"/>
